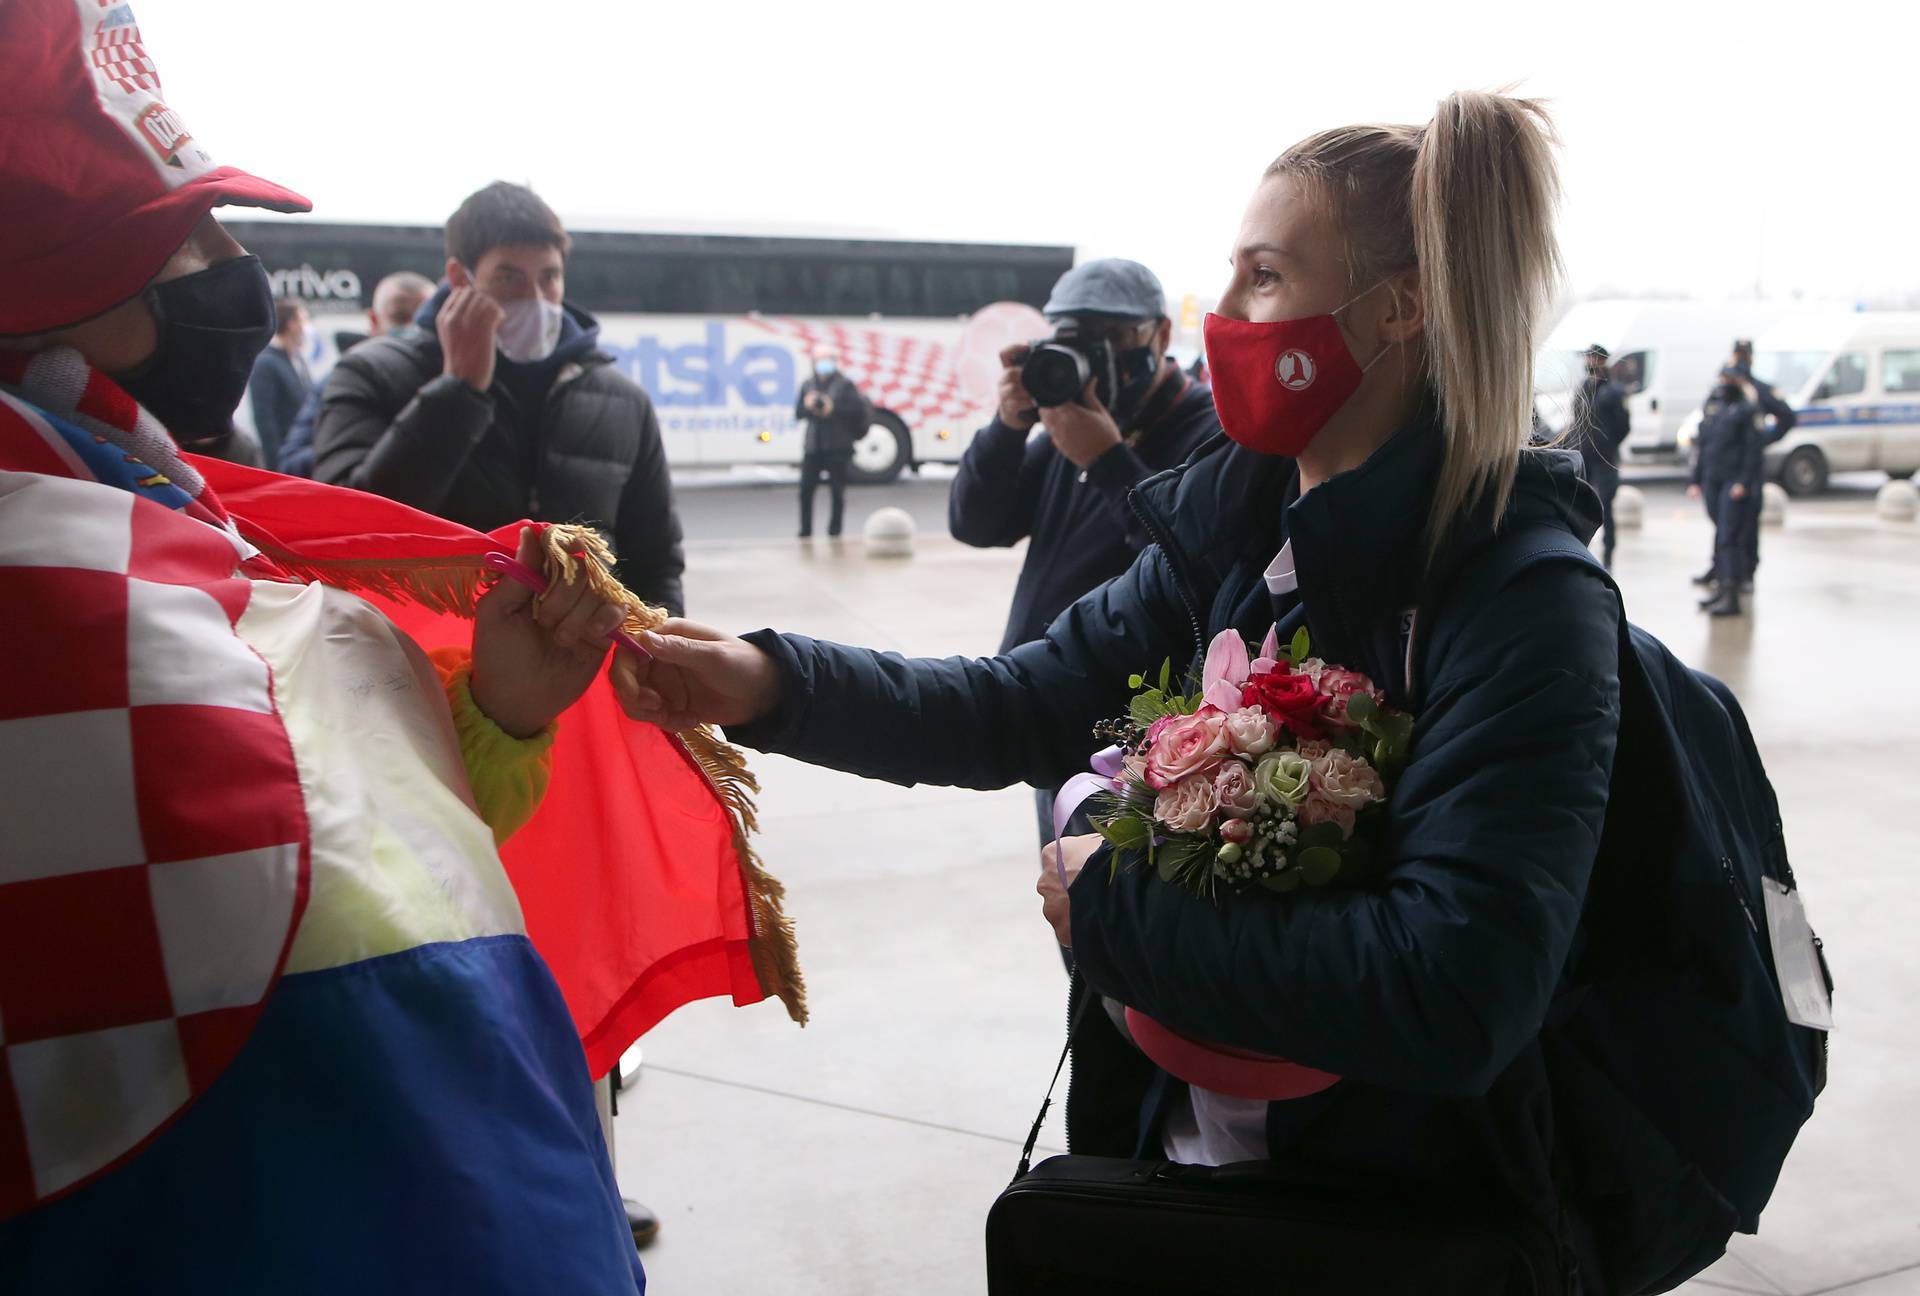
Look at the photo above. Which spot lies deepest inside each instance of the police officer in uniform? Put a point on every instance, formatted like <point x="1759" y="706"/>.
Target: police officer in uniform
<point x="1600" y="427"/>
<point x="1727" y="475"/>
<point x="1778" y="419"/>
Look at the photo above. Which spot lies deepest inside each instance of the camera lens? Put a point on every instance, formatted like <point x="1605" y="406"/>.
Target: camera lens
<point x="1054" y="374"/>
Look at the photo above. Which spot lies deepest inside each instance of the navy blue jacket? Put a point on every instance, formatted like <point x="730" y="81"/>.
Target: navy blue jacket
<point x="1427" y="993"/>
<point x="277" y="389"/>
<point x="1014" y="484"/>
<point x="1601" y="425"/>
<point x="1732" y="443"/>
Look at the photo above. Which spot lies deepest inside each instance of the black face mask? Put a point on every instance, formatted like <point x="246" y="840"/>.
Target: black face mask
<point x="213" y="324"/>
<point x="1134" y="370"/>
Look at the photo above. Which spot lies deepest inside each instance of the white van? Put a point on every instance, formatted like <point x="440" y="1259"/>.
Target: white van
<point x="1666" y="355"/>
<point x="1854" y="381"/>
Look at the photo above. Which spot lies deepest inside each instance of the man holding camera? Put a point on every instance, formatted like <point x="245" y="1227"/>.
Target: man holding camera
<point x="836" y="415"/>
<point x="1113" y="410"/>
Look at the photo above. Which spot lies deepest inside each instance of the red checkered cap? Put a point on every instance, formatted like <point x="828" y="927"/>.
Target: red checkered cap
<point x="100" y="181"/>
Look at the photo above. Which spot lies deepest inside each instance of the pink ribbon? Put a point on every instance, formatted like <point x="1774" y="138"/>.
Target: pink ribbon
<point x="515" y="570"/>
<point x="1106" y="768"/>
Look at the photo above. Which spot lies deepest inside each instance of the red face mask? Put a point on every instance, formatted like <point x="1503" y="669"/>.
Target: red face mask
<point x="1276" y="385"/>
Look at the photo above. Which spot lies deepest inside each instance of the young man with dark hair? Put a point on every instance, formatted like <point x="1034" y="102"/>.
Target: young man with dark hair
<point x="501" y="405"/>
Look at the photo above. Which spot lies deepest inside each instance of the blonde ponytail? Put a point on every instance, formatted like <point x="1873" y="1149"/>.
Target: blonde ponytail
<point x="1484" y="193"/>
<point x="1469" y="200"/>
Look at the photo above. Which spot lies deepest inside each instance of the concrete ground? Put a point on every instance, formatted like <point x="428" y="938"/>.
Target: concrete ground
<point x="860" y="1155"/>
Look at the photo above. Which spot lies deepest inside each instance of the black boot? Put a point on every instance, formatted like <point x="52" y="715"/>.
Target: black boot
<point x="644" y="1223"/>
<point x="1727" y="604"/>
<point x="1705" y="577"/>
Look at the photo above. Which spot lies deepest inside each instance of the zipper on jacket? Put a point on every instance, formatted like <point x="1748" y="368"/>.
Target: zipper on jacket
<point x="1733" y="884"/>
<point x="1165" y="541"/>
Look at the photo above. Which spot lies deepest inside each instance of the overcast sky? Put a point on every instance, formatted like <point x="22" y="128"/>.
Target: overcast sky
<point x="1707" y="149"/>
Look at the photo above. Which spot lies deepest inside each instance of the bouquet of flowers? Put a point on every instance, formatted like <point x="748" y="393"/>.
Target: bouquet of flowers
<point x="1265" y="772"/>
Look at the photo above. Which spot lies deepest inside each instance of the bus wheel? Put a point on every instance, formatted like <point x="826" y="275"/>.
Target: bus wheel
<point x="1804" y="472"/>
<point x="887" y="447"/>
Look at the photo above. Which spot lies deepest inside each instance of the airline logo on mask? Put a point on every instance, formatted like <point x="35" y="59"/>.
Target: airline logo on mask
<point x="1295" y="370"/>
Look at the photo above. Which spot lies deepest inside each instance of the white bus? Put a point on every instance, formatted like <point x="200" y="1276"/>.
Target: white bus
<point x="721" y="329"/>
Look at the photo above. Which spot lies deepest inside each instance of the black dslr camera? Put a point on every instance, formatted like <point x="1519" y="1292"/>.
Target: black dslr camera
<point x="1057" y="368"/>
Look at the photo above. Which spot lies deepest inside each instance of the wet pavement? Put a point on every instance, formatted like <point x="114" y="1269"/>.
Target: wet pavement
<point x="860" y="1155"/>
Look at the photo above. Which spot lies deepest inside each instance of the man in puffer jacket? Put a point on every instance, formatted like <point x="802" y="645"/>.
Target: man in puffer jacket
<point x="501" y="406"/>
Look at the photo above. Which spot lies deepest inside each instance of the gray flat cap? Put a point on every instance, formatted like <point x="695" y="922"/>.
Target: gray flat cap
<point x="1109" y="286"/>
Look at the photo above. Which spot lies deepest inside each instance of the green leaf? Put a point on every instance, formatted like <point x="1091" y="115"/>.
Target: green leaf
<point x="1302" y="646"/>
<point x="1147" y="707"/>
<point x="1360" y="708"/>
<point x="1127" y="832"/>
<point x="1135" y="681"/>
<point x="1166" y="674"/>
<point x="1318" y="864"/>
<point x="1382" y="754"/>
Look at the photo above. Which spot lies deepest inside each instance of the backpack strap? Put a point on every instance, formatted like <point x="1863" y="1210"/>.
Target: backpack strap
<point x="1480" y="577"/>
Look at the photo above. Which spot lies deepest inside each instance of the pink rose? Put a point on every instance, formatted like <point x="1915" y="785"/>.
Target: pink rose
<point x="1187" y="806"/>
<point x="1237" y="831"/>
<point x="1233" y="787"/>
<point x="1251" y="731"/>
<point x="1337" y="685"/>
<point x="1341" y="786"/>
<point x="1313" y="668"/>
<point x="1318" y="809"/>
<point x="1314" y="748"/>
<point x="1185" y="745"/>
<point x="1344" y="778"/>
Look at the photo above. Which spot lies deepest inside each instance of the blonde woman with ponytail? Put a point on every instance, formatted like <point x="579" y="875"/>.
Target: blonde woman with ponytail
<point x="1371" y="362"/>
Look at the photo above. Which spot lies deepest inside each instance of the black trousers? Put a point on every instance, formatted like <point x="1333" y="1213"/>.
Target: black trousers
<point x="1735" y="525"/>
<point x="833" y="464"/>
<point x="1717" y="502"/>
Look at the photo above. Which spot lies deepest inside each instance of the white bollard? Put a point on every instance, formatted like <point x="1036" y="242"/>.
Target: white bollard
<point x="1898" y="501"/>
<point x="1773" y="505"/>
<point x="1629" y="508"/>
<point x="889" y="533"/>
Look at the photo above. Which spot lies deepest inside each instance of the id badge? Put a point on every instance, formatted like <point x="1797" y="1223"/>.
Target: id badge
<point x="1803" y="986"/>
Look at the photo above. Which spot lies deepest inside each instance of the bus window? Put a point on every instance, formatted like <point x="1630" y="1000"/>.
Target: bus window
<point x="1633" y="371"/>
<point x="1902" y="370"/>
<point x="1848" y="377"/>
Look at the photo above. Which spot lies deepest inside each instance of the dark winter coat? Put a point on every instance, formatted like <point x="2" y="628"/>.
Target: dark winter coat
<point x="577" y="444"/>
<point x="1013" y="485"/>
<point x="1600" y="427"/>
<point x="1732" y="442"/>
<point x="1427" y="993"/>
<point x="838" y="432"/>
<point x="276" y="391"/>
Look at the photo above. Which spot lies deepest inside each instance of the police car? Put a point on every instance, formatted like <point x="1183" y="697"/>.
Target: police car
<point x="1853" y="381"/>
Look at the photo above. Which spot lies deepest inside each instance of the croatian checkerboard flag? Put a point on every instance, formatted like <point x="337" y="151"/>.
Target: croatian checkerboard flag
<point x="273" y="1017"/>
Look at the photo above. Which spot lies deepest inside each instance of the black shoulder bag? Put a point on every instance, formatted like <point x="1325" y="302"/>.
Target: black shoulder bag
<point x="1076" y="1225"/>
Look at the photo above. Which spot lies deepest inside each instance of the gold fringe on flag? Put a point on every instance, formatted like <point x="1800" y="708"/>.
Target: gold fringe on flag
<point x="454" y="586"/>
<point x="572" y="550"/>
